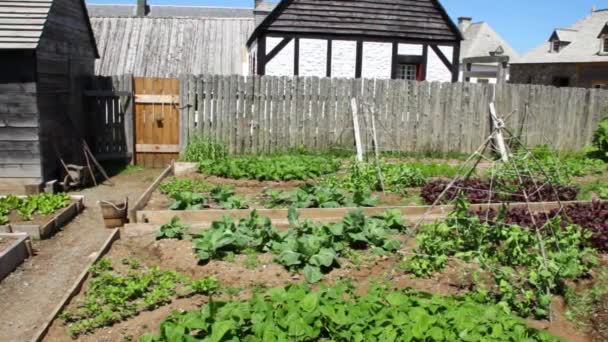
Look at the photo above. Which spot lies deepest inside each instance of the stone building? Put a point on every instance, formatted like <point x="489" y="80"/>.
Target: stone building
<point x="483" y="45"/>
<point x="576" y="56"/>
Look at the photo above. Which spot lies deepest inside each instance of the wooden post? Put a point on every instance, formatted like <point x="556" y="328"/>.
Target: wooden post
<point x="353" y="104"/>
<point x="499" y="139"/>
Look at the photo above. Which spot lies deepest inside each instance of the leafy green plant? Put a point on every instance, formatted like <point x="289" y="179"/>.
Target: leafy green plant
<point x="226" y="236"/>
<point x="512" y="255"/>
<point x="188" y="201"/>
<point x="112" y="297"/>
<point x="318" y="196"/>
<point x="309" y="247"/>
<point x="271" y="168"/>
<point x="202" y="148"/>
<point x="337" y="313"/>
<point x="396" y="177"/>
<point x="172" y="230"/>
<point x="175" y="186"/>
<point x="225" y="196"/>
<point x="315" y="248"/>
<point x="600" y="137"/>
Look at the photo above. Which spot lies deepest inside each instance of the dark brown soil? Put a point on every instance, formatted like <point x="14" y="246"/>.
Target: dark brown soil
<point x="5" y="242"/>
<point x="599" y="320"/>
<point x="242" y="274"/>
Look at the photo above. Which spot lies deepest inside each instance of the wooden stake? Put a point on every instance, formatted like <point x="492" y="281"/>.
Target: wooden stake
<point x="353" y="104"/>
<point x="101" y="169"/>
<point x="86" y="156"/>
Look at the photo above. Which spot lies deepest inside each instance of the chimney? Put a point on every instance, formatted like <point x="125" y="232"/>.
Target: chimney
<point x="142" y="8"/>
<point x="261" y="10"/>
<point x="593" y="8"/>
<point x="464" y="23"/>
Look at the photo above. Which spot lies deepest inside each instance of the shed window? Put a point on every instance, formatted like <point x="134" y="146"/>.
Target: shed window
<point x="408" y="72"/>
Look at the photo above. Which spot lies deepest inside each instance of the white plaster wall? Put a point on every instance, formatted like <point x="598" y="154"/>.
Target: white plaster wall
<point x="282" y="63"/>
<point x="343" y="60"/>
<point x="435" y="69"/>
<point x="377" y="60"/>
<point x="410" y="49"/>
<point x="313" y="57"/>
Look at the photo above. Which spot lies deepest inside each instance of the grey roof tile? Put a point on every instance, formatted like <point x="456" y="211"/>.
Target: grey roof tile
<point x="481" y="39"/>
<point x="164" y="11"/>
<point x="584" y="43"/>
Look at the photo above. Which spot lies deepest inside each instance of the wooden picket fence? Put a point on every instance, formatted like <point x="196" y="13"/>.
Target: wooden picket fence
<point x="269" y="114"/>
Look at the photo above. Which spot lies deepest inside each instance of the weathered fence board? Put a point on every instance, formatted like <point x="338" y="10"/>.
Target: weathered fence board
<point x="268" y="114"/>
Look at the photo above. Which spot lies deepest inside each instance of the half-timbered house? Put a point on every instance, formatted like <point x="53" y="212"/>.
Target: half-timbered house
<point x="414" y="40"/>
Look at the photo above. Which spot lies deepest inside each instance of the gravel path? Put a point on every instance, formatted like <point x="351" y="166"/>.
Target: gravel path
<point x="31" y="293"/>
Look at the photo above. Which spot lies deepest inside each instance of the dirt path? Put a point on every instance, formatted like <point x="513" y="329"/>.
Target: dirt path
<point x="29" y="295"/>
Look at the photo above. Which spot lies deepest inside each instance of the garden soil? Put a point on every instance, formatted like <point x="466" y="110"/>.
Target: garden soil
<point x="30" y="294"/>
<point x="234" y="275"/>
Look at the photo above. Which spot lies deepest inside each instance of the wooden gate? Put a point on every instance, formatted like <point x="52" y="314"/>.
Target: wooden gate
<point x="156" y="121"/>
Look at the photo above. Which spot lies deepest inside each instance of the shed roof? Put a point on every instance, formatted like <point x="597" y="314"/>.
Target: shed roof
<point x="169" y="47"/>
<point x="22" y="23"/>
<point x="422" y="20"/>
<point x="164" y="11"/>
<point x="584" y="43"/>
<point x="480" y="39"/>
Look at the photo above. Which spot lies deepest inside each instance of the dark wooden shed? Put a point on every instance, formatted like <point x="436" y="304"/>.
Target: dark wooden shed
<point x="47" y="55"/>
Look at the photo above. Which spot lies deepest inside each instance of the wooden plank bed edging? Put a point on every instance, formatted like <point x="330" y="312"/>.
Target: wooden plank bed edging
<point x="60" y="219"/>
<point x="411" y="213"/>
<point x="145" y="197"/>
<point x="75" y="289"/>
<point x="13" y="255"/>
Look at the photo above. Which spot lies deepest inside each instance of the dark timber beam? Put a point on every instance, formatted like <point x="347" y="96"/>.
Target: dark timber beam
<point x="296" y="57"/>
<point x="425" y="60"/>
<point x="359" y="59"/>
<point x="329" y="57"/>
<point x="456" y="63"/>
<point x="282" y="44"/>
<point x="394" y="60"/>
<point x="261" y="56"/>
<point x="441" y="56"/>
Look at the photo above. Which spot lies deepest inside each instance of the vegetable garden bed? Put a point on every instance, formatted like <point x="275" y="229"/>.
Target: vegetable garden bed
<point x="13" y="251"/>
<point x="234" y="263"/>
<point x="42" y="224"/>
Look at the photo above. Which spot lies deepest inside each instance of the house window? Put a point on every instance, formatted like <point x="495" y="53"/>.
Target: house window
<point x="407" y="72"/>
<point x="555" y="45"/>
<point x="483" y="81"/>
<point x="605" y="45"/>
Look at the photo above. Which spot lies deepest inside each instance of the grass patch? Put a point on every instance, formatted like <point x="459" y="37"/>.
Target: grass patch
<point x="583" y="304"/>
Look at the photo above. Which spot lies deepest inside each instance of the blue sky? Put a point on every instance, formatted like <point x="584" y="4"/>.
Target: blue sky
<point x="523" y="23"/>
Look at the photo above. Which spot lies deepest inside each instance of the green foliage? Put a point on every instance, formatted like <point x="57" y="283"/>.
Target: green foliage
<point x="337" y="313"/>
<point x="600" y="137"/>
<point x="271" y="168"/>
<point x="308" y="247"/>
<point x="172" y="230"/>
<point x="510" y="254"/>
<point x="113" y="297"/>
<point x="227" y="199"/>
<point x="175" y="185"/>
<point x="364" y="176"/>
<point x="188" y="201"/>
<point x="43" y="204"/>
<point x="317" y="196"/>
<point x="203" y="148"/>
<point x="544" y="163"/>
<point x="315" y="248"/>
<point x="226" y="236"/>
<point x="583" y="304"/>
